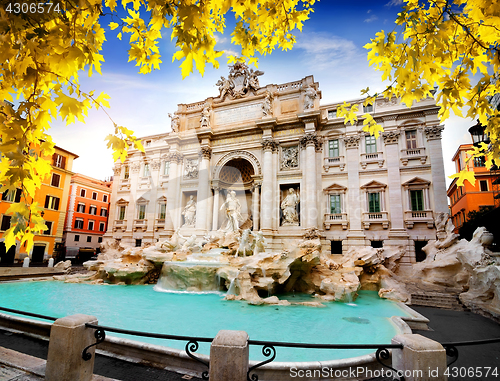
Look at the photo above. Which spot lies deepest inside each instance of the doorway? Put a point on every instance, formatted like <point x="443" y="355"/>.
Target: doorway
<point x="7" y="256"/>
<point x="38" y="252"/>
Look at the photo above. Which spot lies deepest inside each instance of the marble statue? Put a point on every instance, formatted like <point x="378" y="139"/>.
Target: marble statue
<point x="289" y="209"/>
<point x="189" y="213"/>
<point x="310" y="95"/>
<point x="190" y="244"/>
<point x="233" y="212"/>
<point x="258" y="243"/>
<point x="267" y="104"/>
<point x="290" y="157"/>
<point x="205" y="116"/>
<point x="253" y="80"/>
<point x="191" y="170"/>
<point x="244" y="244"/>
<point x="174" y="122"/>
<point x="225" y="87"/>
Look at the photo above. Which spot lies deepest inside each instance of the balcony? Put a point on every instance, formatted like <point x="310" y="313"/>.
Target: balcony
<point x="338" y="161"/>
<point x="336" y="219"/>
<point x="124" y="185"/>
<point x="413" y="154"/>
<point x="120" y="225"/>
<point x="140" y="225"/>
<point x="159" y="224"/>
<point x="375" y="218"/>
<point x="420" y="216"/>
<point x="372" y="158"/>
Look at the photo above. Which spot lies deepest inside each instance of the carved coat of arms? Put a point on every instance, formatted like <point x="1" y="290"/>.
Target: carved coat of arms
<point x="240" y="82"/>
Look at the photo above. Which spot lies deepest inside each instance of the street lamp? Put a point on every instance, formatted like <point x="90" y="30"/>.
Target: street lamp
<point x="478" y="134"/>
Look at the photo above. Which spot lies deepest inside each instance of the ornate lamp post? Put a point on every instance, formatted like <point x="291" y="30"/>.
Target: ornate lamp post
<point x="478" y="134"/>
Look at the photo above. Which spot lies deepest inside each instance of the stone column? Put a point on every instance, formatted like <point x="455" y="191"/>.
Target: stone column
<point x="172" y="220"/>
<point x="229" y="356"/>
<point x="421" y="358"/>
<point x="68" y="338"/>
<point x="310" y="141"/>
<point x="356" y="235"/>
<point x="437" y="168"/>
<point x="391" y="139"/>
<point x="255" y="205"/>
<point x="267" y="185"/>
<point x="215" y="222"/>
<point x="203" y="190"/>
<point x="276" y="192"/>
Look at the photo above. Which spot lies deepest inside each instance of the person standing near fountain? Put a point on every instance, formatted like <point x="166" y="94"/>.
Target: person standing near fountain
<point x="289" y="208"/>
<point x="233" y="212"/>
<point x="189" y="212"/>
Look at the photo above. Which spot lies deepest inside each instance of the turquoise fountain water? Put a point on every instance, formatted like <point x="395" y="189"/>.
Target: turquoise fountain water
<point x="142" y="308"/>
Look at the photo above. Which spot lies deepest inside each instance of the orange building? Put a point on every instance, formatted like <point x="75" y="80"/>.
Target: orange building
<point x="87" y="218"/>
<point x="471" y="197"/>
<point x="53" y="196"/>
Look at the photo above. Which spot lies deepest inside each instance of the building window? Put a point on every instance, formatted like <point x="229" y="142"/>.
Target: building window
<point x="99" y="240"/>
<point x="91" y="225"/>
<point x="141" y="212"/>
<point x="104" y="212"/>
<point x="52" y="202"/>
<point x="94" y="195"/>
<point x="80" y="208"/>
<point x="411" y="139"/>
<point x="148" y="143"/>
<point x="5" y="223"/>
<point x="77" y="237"/>
<point x="371" y="144"/>
<point x="49" y="227"/>
<point x="374" y="202"/>
<point x="416" y="200"/>
<point x="377" y="244"/>
<point x="138" y="242"/>
<point x="58" y="161"/>
<point x="333" y="148"/>
<point x="82" y="192"/>
<point x="419" y="253"/>
<point x="121" y="213"/>
<point x="335" y="207"/>
<point x="126" y="172"/>
<point x="146" y="170"/>
<point x="12" y="195"/>
<point x="102" y="226"/>
<point x="336" y="247"/>
<point x="89" y="238"/>
<point x="368" y="108"/>
<point x="479" y="161"/>
<point x="163" y="211"/>
<point x="483" y="184"/>
<point x="105" y="198"/>
<point x="166" y="168"/>
<point x="56" y="179"/>
<point x="93" y="210"/>
<point x="78" y="224"/>
<point x="332" y="114"/>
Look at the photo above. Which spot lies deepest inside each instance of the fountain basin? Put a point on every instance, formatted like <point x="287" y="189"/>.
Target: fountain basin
<point x="139" y="307"/>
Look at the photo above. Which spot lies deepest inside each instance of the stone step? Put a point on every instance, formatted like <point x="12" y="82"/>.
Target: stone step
<point x="439" y="300"/>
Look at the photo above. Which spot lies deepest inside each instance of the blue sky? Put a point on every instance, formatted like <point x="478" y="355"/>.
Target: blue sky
<point x="330" y="48"/>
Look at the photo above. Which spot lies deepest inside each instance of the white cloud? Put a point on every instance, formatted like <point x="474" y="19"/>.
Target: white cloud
<point x="394" y="3"/>
<point x="371" y="19"/>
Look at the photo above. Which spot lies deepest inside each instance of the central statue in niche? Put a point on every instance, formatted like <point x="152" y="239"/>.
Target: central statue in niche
<point x="233" y="213"/>
<point x="289" y="209"/>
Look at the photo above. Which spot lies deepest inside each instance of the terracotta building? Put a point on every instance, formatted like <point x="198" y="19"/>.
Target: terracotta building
<point x="470" y="197"/>
<point x="53" y="196"/>
<point x="87" y="218"/>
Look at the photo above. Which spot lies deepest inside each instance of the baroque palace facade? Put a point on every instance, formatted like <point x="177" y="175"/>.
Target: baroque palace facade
<point x="292" y="164"/>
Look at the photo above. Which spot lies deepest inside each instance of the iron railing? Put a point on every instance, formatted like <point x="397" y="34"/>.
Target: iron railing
<point x="268" y="347"/>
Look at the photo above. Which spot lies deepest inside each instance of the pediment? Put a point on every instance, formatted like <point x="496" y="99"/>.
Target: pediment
<point x="162" y="199"/>
<point x="373" y="184"/>
<point x="417" y="181"/>
<point x="122" y="201"/>
<point x="335" y="188"/>
<point x="142" y="200"/>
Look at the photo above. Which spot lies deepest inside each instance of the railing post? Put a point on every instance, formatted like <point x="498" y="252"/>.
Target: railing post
<point x="229" y="356"/>
<point x="421" y="359"/>
<point x="68" y="338"/>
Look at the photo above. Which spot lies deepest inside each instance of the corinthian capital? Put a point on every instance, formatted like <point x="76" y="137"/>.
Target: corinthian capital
<point x="270" y="144"/>
<point x="434" y="132"/>
<point x="205" y="153"/>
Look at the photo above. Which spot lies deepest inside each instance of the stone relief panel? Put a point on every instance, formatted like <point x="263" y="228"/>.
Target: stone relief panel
<point x="290" y="157"/>
<point x="191" y="169"/>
